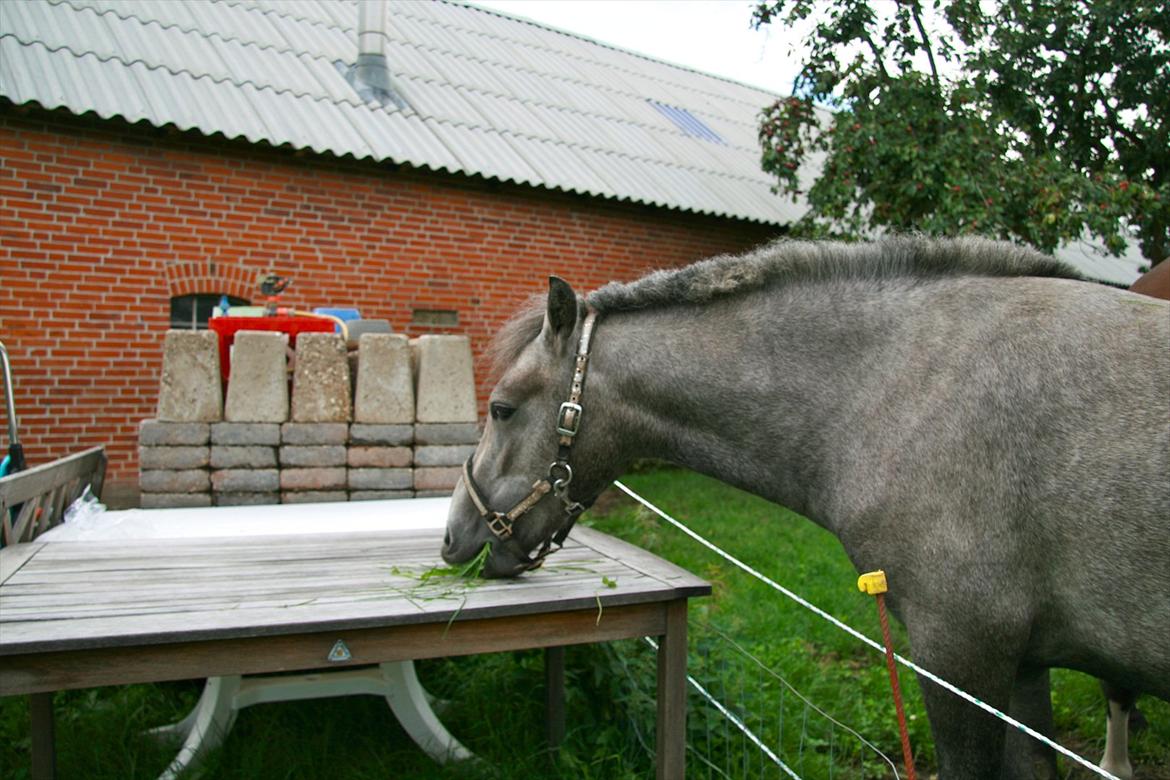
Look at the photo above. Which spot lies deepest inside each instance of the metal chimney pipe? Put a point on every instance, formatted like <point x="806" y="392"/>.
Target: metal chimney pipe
<point x="370" y="75"/>
<point x="372" y="27"/>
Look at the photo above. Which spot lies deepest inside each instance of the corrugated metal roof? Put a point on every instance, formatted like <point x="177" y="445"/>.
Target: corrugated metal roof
<point x="487" y="94"/>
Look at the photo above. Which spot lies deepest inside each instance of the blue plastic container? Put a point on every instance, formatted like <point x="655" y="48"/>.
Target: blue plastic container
<point x="345" y="315"/>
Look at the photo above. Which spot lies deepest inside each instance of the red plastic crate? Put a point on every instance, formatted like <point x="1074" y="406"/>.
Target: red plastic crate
<point x="227" y="327"/>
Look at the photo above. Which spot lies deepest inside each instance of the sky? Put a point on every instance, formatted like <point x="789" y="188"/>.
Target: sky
<point x="713" y="36"/>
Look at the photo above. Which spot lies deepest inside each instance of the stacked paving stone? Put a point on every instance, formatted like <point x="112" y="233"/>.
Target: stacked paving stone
<point x="396" y="422"/>
<point x="244" y="446"/>
<point x="440" y="450"/>
<point x="243" y="463"/>
<point x="173" y="453"/>
<point x="312" y="446"/>
<point x="380" y="457"/>
<point x="380" y="460"/>
<point x="445" y="431"/>
<point x="172" y="462"/>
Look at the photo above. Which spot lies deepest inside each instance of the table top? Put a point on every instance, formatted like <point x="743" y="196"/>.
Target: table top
<point x="135" y="592"/>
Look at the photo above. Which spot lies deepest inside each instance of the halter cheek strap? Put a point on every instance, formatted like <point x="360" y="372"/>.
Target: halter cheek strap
<point x="500" y="523"/>
<point x="560" y="473"/>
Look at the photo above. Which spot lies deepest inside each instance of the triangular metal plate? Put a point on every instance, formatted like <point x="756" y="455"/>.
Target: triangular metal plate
<point x="340" y="652"/>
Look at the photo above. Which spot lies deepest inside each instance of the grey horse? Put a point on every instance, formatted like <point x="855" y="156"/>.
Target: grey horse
<point x="965" y="415"/>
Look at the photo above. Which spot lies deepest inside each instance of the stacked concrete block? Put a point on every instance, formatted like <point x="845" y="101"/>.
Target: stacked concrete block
<point x="380" y="458"/>
<point x="244" y="463"/>
<point x="445" y="412"/>
<point x="444" y="386"/>
<point x="258" y="387"/>
<point x="321" y="387"/>
<point x="313" y="461"/>
<point x="385" y="386"/>
<point x="173" y="462"/>
<point x="440" y="450"/>
<point x="414" y="421"/>
<point x="173" y="449"/>
<point x="190" y="389"/>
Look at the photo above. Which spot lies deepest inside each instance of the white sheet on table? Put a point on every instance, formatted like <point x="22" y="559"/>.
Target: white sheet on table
<point x="264" y="520"/>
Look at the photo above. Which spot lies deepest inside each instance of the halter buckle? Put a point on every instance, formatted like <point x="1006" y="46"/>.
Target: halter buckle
<point x="569" y="419"/>
<point x="499" y="525"/>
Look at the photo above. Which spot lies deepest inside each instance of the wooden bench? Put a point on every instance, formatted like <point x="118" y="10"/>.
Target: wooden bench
<point x="33" y="501"/>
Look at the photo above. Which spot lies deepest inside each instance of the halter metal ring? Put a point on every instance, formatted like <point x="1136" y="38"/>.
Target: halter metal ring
<point x="560" y="484"/>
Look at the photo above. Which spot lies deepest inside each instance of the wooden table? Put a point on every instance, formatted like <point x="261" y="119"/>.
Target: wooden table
<point x="90" y="613"/>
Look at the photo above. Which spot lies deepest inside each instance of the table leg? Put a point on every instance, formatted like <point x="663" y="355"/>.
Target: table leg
<point x="670" y="744"/>
<point x="554" y="689"/>
<point x="213" y="718"/>
<point x="410" y="703"/>
<point x="44" y="754"/>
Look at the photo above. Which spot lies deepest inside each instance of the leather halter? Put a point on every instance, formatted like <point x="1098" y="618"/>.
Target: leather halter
<point x="560" y="473"/>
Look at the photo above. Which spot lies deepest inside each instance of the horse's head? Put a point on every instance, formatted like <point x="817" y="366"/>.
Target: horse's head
<point x="526" y="483"/>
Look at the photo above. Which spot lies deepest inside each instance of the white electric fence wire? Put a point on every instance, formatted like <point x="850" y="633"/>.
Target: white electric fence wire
<point x="862" y="637"/>
<point x="707" y="762"/>
<point x="808" y="702"/>
<point x="735" y="721"/>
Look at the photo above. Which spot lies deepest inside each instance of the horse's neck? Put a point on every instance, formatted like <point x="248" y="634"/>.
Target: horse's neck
<point x="757" y="393"/>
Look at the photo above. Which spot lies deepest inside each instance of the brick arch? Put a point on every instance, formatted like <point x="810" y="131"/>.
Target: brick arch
<point x="187" y="277"/>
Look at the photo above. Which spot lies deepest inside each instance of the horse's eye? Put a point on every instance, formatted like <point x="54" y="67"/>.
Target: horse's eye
<point x="501" y="411"/>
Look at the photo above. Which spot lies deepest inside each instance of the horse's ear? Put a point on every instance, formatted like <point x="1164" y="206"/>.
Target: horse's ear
<point x="561" y="317"/>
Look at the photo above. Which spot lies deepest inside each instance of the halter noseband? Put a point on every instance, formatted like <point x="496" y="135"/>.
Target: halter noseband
<point x="560" y="473"/>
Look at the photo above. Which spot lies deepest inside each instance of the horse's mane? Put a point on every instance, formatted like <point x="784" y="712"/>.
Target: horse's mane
<point x="517" y="333"/>
<point x="788" y="262"/>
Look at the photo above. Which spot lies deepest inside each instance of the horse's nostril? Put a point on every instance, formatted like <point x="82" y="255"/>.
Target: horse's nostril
<point x="447" y="539"/>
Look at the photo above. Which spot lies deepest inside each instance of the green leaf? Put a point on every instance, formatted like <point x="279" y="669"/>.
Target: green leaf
<point x="1052" y="122"/>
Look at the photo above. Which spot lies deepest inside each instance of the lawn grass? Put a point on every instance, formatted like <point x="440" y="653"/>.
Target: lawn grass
<point x="835" y="670"/>
<point x="498" y="699"/>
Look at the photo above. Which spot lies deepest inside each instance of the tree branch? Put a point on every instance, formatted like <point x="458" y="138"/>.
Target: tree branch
<point x="915" y="12"/>
<point x="1112" y="119"/>
<point x="877" y="54"/>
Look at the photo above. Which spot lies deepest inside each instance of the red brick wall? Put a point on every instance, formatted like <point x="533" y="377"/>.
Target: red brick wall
<point x="102" y="222"/>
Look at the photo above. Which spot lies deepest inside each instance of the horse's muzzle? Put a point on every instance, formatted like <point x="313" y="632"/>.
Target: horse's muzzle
<point x="501" y="563"/>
